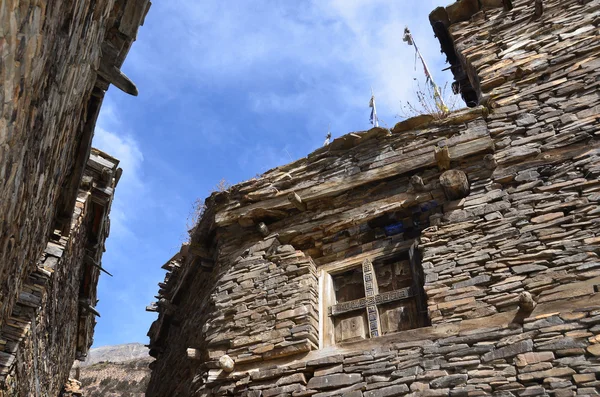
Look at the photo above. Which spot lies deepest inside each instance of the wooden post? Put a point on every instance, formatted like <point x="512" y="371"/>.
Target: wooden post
<point x="297" y="201"/>
<point x="417" y="183"/>
<point x="455" y="184"/>
<point x="194" y="354"/>
<point x="263" y="229"/>
<point x="539" y="8"/>
<point x="489" y="161"/>
<point x="442" y="157"/>
<point x="526" y="302"/>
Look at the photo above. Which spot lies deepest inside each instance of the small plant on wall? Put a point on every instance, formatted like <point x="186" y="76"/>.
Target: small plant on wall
<point x="427" y="103"/>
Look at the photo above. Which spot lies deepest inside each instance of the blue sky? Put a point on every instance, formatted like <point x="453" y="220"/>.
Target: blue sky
<point x="229" y="90"/>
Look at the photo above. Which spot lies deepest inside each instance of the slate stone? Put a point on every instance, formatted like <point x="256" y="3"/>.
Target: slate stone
<point x="450" y="380"/>
<point x="390" y="391"/>
<point x="509" y="351"/>
<point x="333" y="381"/>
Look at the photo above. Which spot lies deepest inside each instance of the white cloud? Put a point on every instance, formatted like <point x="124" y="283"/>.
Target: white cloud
<point x="131" y="185"/>
<point x="126" y="149"/>
<point x="209" y="42"/>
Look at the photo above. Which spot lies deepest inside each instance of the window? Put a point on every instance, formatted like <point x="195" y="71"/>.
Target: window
<point x="373" y="298"/>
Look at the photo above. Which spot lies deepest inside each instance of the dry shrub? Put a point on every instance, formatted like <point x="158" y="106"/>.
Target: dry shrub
<point x="199" y="206"/>
<point x="427" y="104"/>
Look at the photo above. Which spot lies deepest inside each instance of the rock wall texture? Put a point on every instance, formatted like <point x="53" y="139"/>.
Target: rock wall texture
<point x="53" y="321"/>
<point x="475" y="237"/>
<point x="57" y="60"/>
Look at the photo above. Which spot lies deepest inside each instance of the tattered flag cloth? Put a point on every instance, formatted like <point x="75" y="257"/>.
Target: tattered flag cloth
<point x="373" y="119"/>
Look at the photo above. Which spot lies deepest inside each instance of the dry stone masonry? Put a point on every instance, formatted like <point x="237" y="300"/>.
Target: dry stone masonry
<point x="57" y="59"/>
<point x="446" y="257"/>
<point x="53" y="321"/>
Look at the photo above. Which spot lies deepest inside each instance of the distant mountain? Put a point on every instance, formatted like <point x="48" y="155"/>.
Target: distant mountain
<point x="116" y="353"/>
<point x="115" y="371"/>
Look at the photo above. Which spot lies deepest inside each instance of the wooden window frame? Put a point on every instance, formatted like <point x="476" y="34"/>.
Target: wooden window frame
<point x="328" y="307"/>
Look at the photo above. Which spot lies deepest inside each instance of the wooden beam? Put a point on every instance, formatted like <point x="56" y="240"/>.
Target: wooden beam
<point x="113" y="75"/>
<point x="458" y="147"/>
<point x="489" y="161"/>
<point x="296" y="201"/>
<point x="526" y="302"/>
<point x="455" y="184"/>
<point x="263" y="229"/>
<point x="90" y="261"/>
<point x="194" y="354"/>
<point x="539" y="8"/>
<point x="417" y="183"/>
<point x="442" y="157"/>
<point x="88" y="307"/>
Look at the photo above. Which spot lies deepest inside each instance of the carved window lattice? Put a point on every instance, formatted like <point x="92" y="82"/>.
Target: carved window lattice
<point x="378" y="298"/>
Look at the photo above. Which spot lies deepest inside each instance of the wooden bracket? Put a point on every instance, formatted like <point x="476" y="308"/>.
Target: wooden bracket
<point x="442" y="157"/>
<point x="88" y="307"/>
<point x="113" y="75"/>
<point x="90" y="261"/>
<point x="296" y="201"/>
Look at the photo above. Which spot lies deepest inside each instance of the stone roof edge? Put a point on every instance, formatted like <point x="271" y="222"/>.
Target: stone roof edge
<point x="339" y="145"/>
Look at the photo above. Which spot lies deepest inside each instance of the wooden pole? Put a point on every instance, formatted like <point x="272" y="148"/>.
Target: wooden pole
<point x="455" y="184"/>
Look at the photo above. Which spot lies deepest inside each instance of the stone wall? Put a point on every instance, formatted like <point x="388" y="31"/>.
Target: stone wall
<point x="509" y="259"/>
<point x="57" y="60"/>
<point x="534" y="225"/>
<point x="53" y="321"/>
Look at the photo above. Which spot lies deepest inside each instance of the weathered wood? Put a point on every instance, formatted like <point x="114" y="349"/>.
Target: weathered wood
<point x="417" y="183"/>
<point x="526" y="302"/>
<point x="133" y="16"/>
<point x="263" y="229"/>
<point x="86" y="306"/>
<point x="113" y="75"/>
<point x="489" y="161"/>
<point x="442" y="157"/>
<point x="90" y="261"/>
<point x="194" y="354"/>
<point x="455" y="184"/>
<point x="458" y="149"/>
<point x="296" y="201"/>
<point x="539" y="8"/>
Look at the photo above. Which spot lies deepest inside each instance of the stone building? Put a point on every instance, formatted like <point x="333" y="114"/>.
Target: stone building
<point x="57" y="59"/>
<point x="452" y="256"/>
<point x="52" y="322"/>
